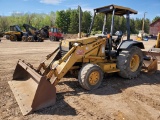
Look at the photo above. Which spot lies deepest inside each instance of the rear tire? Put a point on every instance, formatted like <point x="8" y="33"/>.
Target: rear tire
<point x="51" y="38"/>
<point x="90" y="76"/>
<point x="130" y="62"/>
<point x="24" y="38"/>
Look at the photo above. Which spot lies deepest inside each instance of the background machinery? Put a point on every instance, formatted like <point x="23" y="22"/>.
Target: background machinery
<point x="44" y="31"/>
<point x="55" y="34"/>
<point x="32" y="34"/>
<point x="92" y="56"/>
<point x="153" y="54"/>
<point x="15" y="33"/>
<point x="142" y="36"/>
<point x="155" y="50"/>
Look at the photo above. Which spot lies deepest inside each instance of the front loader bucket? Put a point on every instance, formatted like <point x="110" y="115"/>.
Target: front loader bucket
<point x="31" y="90"/>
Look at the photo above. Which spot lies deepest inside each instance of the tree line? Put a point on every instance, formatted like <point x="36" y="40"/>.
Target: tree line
<point x="68" y="21"/>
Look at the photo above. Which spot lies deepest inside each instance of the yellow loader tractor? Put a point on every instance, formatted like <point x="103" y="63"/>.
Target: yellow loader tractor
<point x="92" y="56"/>
<point x="15" y="33"/>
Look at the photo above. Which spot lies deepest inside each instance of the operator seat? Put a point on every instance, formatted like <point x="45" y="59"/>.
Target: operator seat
<point x="117" y="40"/>
<point x="114" y="44"/>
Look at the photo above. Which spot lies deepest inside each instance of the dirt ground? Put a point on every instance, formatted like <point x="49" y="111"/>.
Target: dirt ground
<point x="116" y="98"/>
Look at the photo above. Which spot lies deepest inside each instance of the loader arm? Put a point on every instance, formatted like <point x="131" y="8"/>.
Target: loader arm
<point x="62" y="66"/>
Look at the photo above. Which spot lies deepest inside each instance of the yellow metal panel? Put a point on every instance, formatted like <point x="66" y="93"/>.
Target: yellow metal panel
<point x="85" y="40"/>
<point x="107" y="66"/>
<point x="96" y="57"/>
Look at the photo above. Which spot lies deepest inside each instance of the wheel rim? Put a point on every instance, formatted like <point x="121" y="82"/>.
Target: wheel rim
<point x="94" y="77"/>
<point x="134" y="63"/>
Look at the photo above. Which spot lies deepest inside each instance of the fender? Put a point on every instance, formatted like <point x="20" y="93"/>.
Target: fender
<point x="126" y="44"/>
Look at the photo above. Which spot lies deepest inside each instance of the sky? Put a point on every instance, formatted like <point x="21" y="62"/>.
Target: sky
<point x="7" y="7"/>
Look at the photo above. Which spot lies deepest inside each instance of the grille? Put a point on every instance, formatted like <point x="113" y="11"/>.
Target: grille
<point x="63" y="52"/>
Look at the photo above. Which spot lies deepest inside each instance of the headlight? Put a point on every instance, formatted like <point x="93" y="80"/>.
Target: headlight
<point x="76" y="44"/>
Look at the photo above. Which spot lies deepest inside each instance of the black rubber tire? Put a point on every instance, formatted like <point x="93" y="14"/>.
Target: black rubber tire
<point x="14" y="38"/>
<point x="54" y="38"/>
<point x="24" y="38"/>
<point x="7" y="37"/>
<point x="39" y="39"/>
<point x="83" y="76"/>
<point x="51" y="38"/>
<point x="123" y="62"/>
<point x="57" y="39"/>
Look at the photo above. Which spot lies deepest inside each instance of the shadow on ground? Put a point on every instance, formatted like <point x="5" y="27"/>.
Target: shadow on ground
<point x="112" y="84"/>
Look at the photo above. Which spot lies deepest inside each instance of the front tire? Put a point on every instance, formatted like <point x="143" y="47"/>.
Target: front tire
<point x="130" y="62"/>
<point x="13" y="38"/>
<point x="90" y="76"/>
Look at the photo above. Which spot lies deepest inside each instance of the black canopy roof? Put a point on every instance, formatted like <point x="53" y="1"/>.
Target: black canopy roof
<point x="119" y="10"/>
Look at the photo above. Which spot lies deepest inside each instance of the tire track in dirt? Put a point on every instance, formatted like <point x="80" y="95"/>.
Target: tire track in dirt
<point x="141" y="100"/>
<point x="104" y="106"/>
<point x="137" y="109"/>
<point x="148" y="100"/>
<point x="142" y="105"/>
<point x="92" y="110"/>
